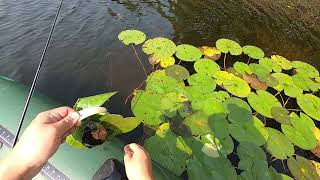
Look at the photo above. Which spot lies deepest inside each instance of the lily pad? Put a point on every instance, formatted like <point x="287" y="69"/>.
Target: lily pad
<point x="73" y="142"/>
<point x="305" y="83"/>
<point x="173" y="152"/>
<point x="305" y="69"/>
<point x="263" y="102"/>
<point x="159" y="47"/>
<point x="159" y="83"/>
<point x="207" y="67"/>
<point x="300" y="132"/>
<point x="170" y="104"/>
<point x="166" y="61"/>
<point x="232" y="84"/>
<point x="198" y="123"/>
<point x="281" y="115"/>
<point x="227" y="45"/>
<point x="177" y="72"/>
<point x="310" y="104"/>
<point x="281" y="61"/>
<point x="202" y="82"/>
<point x="188" y="53"/>
<point x="242" y="68"/>
<point x="211" y="53"/>
<point x="254" y="82"/>
<point x="270" y="65"/>
<point x="93" y="101"/>
<point x="132" y="37"/>
<point x="260" y="71"/>
<point x="252" y="131"/>
<point x="278" y="145"/>
<point x="278" y="176"/>
<point x="146" y="107"/>
<point x="249" y="153"/>
<point x="196" y="170"/>
<point x="287" y="85"/>
<point x="258" y="170"/>
<point x="214" y="147"/>
<point x="253" y="52"/>
<point x="239" y="111"/>
<point x="301" y="168"/>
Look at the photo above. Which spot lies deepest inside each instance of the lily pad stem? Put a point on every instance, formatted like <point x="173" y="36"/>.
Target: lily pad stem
<point x="248" y="61"/>
<point x="224" y="61"/>
<point x="294" y="110"/>
<point x="135" y="52"/>
<point x="133" y="91"/>
<point x="286" y="102"/>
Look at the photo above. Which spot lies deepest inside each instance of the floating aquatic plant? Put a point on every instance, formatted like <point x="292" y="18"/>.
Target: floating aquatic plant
<point x="202" y="112"/>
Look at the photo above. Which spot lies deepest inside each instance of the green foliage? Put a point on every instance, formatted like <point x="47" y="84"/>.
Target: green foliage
<point x="310" y="104"/>
<point x="177" y="72"/>
<point x="159" y="47"/>
<point x="253" y="52"/>
<point x="242" y="68"/>
<point x="287" y="85"/>
<point x="226" y="46"/>
<point x="278" y="145"/>
<point x="132" y="37"/>
<point x="206" y="66"/>
<point x="281" y="61"/>
<point x="305" y="69"/>
<point x="301" y="168"/>
<point x="93" y="101"/>
<point x="186" y="52"/>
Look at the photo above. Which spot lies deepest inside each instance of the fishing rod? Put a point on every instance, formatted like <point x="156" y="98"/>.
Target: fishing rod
<point x="35" y="79"/>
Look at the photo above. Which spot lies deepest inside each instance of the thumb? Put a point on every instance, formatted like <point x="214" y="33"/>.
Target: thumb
<point x="65" y="124"/>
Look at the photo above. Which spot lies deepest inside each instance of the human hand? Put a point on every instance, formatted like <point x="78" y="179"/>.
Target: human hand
<point x="137" y="163"/>
<point x="39" y="142"/>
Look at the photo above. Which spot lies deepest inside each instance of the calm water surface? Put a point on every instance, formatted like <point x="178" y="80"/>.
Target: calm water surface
<point x="86" y="58"/>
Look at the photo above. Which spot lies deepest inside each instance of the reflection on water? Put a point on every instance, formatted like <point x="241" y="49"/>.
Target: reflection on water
<point x="85" y="57"/>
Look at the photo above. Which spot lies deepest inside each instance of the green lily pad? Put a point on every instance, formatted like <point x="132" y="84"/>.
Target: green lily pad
<point x="253" y="52"/>
<point x="173" y="152"/>
<point x="146" y="107"/>
<point x="260" y="71"/>
<point x="214" y="147"/>
<point x="239" y="111"/>
<point x="185" y="110"/>
<point x="206" y="66"/>
<point x="305" y="69"/>
<point x="270" y="65"/>
<point x="170" y="104"/>
<point x="305" y="83"/>
<point x="196" y="170"/>
<point x="242" y="68"/>
<point x="132" y="37"/>
<point x="262" y="102"/>
<point x="300" y="132"/>
<point x="159" y="47"/>
<point x="249" y="153"/>
<point x="287" y="85"/>
<point x="93" y="101"/>
<point x="310" y="104"/>
<point x="188" y="53"/>
<point x="252" y="131"/>
<point x="73" y="142"/>
<point x="159" y="83"/>
<point x="198" y="123"/>
<point x="234" y="85"/>
<point x="281" y="61"/>
<point x="220" y="127"/>
<point x="258" y="170"/>
<point x="278" y="145"/>
<point x="281" y="115"/>
<point x="301" y="168"/>
<point x="202" y="82"/>
<point x="118" y="123"/>
<point x="226" y="45"/>
<point x="278" y="176"/>
<point x="177" y="72"/>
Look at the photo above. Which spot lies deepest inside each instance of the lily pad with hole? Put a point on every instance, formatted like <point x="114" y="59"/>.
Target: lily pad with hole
<point x="249" y="153"/>
<point x="287" y="85"/>
<point x="189" y="53"/>
<point x="282" y="61"/>
<point x="211" y="53"/>
<point x="305" y="83"/>
<point x="177" y="72"/>
<point x="253" y="52"/>
<point x="146" y="107"/>
<point x="252" y="131"/>
<point x="239" y="111"/>
<point x="263" y="102"/>
<point x="281" y="115"/>
<point x="300" y="132"/>
<point x="270" y="65"/>
<point x="242" y="68"/>
<point x="202" y="82"/>
<point x="93" y="101"/>
<point x="227" y="45"/>
<point x="206" y="66"/>
<point x="132" y="37"/>
<point x="302" y="168"/>
<point x="173" y="152"/>
<point x="310" y="104"/>
<point x="305" y="69"/>
<point x="234" y="85"/>
<point x="278" y="145"/>
<point x="166" y="61"/>
<point x="159" y="47"/>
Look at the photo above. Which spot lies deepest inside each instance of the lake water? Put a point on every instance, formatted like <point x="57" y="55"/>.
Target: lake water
<point x="86" y="58"/>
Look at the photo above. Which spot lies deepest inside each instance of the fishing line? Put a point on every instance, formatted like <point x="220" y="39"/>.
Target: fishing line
<point x="35" y="79"/>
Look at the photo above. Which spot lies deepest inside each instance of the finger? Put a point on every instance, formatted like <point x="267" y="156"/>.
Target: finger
<point x="70" y="131"/>
<point x="127" y="154"/>
<point x="54" y="115"/>
<point x="64" y="125"/>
